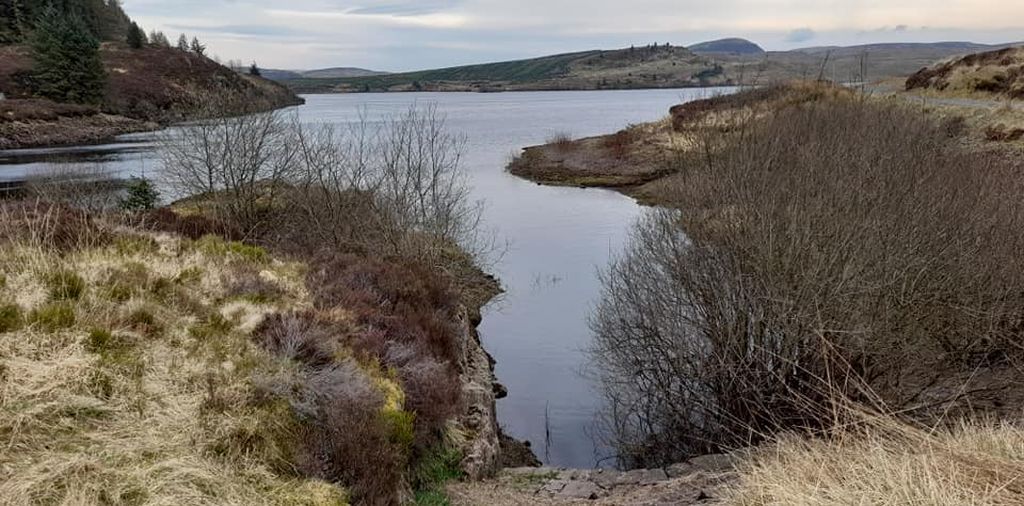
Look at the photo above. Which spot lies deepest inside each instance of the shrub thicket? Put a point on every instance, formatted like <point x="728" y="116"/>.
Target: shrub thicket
<point x="828" y="251"/>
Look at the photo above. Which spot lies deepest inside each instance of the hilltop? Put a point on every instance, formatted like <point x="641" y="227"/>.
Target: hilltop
<point x="727" y="46"/>
<point x="720" y="62"/>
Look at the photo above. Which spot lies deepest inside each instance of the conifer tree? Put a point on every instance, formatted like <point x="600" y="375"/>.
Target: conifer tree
<point x="136" y="37"/>
<point x="68" y="67"/>
<point x="254" y="70"/>
<point x="183" y="42"/>
<point x="197" y="47"/>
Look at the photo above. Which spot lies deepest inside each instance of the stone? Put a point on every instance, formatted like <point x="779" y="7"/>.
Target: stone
<point x="641" y="477"/>
<point x="554" y="486"/>
<point x="574" y="474"/>
<point x="606" y="478"/>
<point x="581" y="490"/>
<point x="714" y="463"/>
<point x="681" y="469"/>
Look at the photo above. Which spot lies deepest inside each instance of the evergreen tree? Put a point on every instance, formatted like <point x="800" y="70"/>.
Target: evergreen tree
<point x="183" y="42"/>
<point x="140" y="195"/>
<point x="197" y="47"/>
<point x="254" y="70"/>
<point x="136" y="37"/>
<point x="68" y="67"/>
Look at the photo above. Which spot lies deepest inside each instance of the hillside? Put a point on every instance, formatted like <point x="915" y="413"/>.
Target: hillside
<point x="718" y="62"/>
<point x="637" y="67"/>
<point x="999" y="73"/>
<point x="727" y="46"/>
<point x="145" y="88"/>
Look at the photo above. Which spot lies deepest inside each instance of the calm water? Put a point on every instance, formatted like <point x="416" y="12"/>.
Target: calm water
<point x="558" y="238"/>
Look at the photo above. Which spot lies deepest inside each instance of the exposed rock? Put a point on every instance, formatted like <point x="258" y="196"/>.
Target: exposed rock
<point x="715" y="463"/>
<point x="554" y="486"/>
<point x="476" y="373"/>
<point x="581" y="490"/>
<point x="606" y="478"/>
<point x="677" y="470"/>
<point x="641" y="477"/>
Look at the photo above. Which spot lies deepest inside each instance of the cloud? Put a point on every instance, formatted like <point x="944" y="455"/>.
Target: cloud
<point x="800" y="35"/>
<point x="411" y="34"/>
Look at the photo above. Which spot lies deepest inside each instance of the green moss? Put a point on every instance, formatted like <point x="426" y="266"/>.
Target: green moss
<point x="10" y="317"/>
<point x="53" y="316"/>
<point x="65" y="285"/>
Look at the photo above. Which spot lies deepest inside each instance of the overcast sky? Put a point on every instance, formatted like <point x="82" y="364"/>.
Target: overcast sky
<point x="397" y="35"/>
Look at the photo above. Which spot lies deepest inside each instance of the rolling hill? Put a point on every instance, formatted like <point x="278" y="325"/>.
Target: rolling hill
<point x="718" y="62"/>
<point x="636" y="67"/>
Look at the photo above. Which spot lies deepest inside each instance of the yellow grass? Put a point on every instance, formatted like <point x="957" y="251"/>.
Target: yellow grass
<point x="889" y="463"/>
<point x="160" y="413"/>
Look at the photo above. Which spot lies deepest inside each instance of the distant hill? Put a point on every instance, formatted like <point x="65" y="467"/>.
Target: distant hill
<point x="727" y="46"/>
<point x="719" y="62"/>
<point x="340" y="72"/>
<point x="655" y="66"/>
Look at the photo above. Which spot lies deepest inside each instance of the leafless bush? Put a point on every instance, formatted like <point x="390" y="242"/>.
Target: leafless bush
<point x="834" y="251"/>
<point x="231" y="166"/>
<point x="93" y="188"/>
<point x="395" y="188"/>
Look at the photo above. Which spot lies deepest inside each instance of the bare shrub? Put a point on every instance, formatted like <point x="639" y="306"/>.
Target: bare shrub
<point x="834" y="251"/>
<point x="231" y="166"/>
<point x="91" y="188"/>
<point x="562" y="141"/>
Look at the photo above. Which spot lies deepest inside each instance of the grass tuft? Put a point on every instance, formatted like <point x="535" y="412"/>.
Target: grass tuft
<point x="65" y="285"/>
<point x="10" y="318"/>
<point x="53" y="316"/>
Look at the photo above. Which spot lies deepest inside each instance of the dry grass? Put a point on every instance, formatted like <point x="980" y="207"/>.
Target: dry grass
<point x="139" y="400"/>
<point x="886" y="462"/>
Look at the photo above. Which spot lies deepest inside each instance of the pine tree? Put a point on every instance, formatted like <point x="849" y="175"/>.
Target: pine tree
<point x="254" y="70"/>
<point x="136" y="37"/>
<point x="68" y="67"/>
<point x="197" y="47"/>
<point x="183" y="42"/>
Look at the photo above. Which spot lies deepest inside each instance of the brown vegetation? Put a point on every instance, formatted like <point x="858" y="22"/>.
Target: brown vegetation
<point x="998" y="73"/>
<point x="812" y="265"/>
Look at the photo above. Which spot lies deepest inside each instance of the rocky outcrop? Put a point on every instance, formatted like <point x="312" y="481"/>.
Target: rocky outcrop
<point x="481" y="450"/>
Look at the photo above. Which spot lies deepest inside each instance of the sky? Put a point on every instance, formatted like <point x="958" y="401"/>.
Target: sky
<point x="399" y="35"/>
